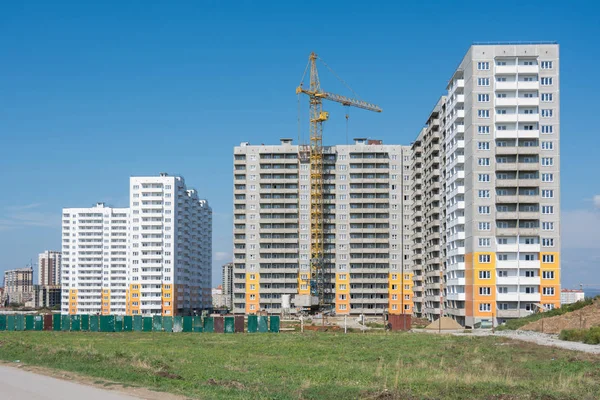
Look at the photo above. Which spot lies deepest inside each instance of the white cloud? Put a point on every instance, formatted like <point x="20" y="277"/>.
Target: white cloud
<point x="19" y="216"/>
<point x="596" y="200"/>
<point x="222" y="256"/>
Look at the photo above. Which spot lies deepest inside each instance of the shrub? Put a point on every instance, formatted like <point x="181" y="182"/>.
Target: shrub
<point x="589" y="336"/>
<point x="592" y="336"/>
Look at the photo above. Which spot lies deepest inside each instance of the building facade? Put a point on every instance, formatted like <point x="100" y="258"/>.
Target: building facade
<point x="49" y="265"/>
<point x="500" y="178"/>
<point x="570" y="296"/>
<point x="366" y="225"/>
<point x="171" y="247"/>
<point x="94" y="260"/>
<point x="427" y="223"/>
<point x="228" y="284"/>
<point x="18" y="285"/>
<point x="47" y="296"/>
<point x="151" y="258"/>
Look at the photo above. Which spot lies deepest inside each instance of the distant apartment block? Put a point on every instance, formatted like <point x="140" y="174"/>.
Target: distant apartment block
<point x="49" y="265"/>
<point x="493" y="143"/>
<point x="228" y="284"/>
<point x="367" y="227"/>
<point x="18" y="285"/>
<point x="94" y="260"/>
<point x="570" y="296"/>
<point x="152" y="258"/>
<point x="171" y="247"/>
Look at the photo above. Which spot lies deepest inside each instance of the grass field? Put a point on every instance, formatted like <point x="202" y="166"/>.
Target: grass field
<point x="315" y="365"/>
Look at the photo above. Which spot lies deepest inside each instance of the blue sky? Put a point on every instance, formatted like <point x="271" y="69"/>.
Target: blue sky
<point x="93" y="93"/>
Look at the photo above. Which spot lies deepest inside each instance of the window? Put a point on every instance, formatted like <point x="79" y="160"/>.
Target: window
<point x="548" y="291"/>
<point x="500" y="63"/>
<point x="547" y="274"/>
<point x="483" y="65"/>
<point x="483" y="81"/>
<point x="547" y="113"/>
<point x="483" y="161"/>
<point x="547" y="161"/>
<point x="484" y="226"/>
<point x="546" y="64"/>
<point x="547" y="97"/>
<point x="485" y="291"/>
<point x="484" y="177"/>
<point x="502" y="111"/>
<point x="547" y="129"/>
<point x="547" y="209"/>
<point x="548" y="258"/>
<point x="485" y="307"/>
<point x="546" y="81"/>
<point x="502" y="257"/>
<point x="484" y="242"/>
<point x="547" y="177"/>
<point x="547" y="242"/>
<point x="483" y="113"/>
<point x="502" y="274"/>
<point x="483" y="145"/>
<point x="501" y="95"/>
<point x="484" y="258"/>
<point x="485" y="275"/>
<point x="483" y="129"/>
<point x="547" y="226"/>
<point x="484" y="209"/>
<point x="547" y="193"/>
<point x="500" y="79"/>
<point x="547" y="145"/>
<point x="483" y="97"/>
<point x="500" y="127"/>
<point x="484" y="194"/>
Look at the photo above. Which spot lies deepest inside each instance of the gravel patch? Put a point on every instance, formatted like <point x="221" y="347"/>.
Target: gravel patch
<point x="543" y="339"/>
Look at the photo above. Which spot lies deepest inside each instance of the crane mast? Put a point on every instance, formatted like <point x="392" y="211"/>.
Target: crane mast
<point x="317" y="280"/>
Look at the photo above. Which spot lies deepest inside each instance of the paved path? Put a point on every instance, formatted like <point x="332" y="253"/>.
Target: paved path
<point x="16" y="384"/>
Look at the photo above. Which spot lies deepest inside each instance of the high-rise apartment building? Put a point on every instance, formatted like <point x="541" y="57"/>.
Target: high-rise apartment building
<point x="170" y="247"/>
<point x="151" y="258"/>
<point x="49" y="264"/>
<point x="499" y="203"/>
<point x="94" y="260"/>
<point x="228" y="284"/>
<point x="366" y="226"/>
<point x="427" y="223"/>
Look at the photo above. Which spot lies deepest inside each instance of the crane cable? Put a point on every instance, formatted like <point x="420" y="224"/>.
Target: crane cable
<point x="340" y="79"/>
<point x="347" y="118"/>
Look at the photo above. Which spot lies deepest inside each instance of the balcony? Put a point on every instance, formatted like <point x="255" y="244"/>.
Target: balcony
<point x="527" y="69"/>
<point x="506" y="117"/>
<point x="507" y="199"/>
<point x="529" y="248"/>
<point x="508" y="248"/>
<point x="524" y="85"/>
<point x="503" y="215"/>
<point x="528" y="101"/>
<point x="506" y="101"/>
<point x="504" y="150"/>
<point x="506" y="182"/>
<point x="507" y="134"/>
<point x="506" y="85"/>
<point x="529" y="117"/>
<point x="506" y="69"/>
<point x="529" y="215"/>
<point x="506" y="166"/>
<point x="529" y="134"/>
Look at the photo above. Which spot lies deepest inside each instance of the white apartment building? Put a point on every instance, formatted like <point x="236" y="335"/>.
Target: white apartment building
<point x="154" y="257"/>
<point x="170" y="247"/>
<point x="94" y="260"/>
<point x="500" y="180"/>
<point x="367" y="226"/>
<point x="49" y="265"/>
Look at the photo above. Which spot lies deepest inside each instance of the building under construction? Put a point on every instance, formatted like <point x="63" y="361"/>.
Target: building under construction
<point x="366" y="227"/>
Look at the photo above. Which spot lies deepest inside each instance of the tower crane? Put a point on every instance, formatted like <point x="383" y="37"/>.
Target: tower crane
<point x="316" y="285"/>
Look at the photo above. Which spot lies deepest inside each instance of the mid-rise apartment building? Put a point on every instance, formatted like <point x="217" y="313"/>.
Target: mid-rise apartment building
<point x="18" y="285"/>
<point x="49" y="265"/>
<point x="153" y="257"/>
<point x="499" y="203"/>
<point x="366" y="226"/>
<point x="94" y="260"/>
<point x="170" y="247"/>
